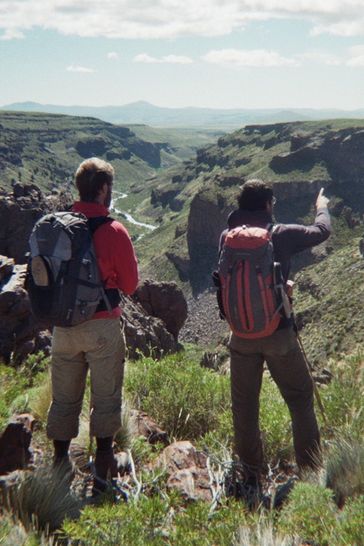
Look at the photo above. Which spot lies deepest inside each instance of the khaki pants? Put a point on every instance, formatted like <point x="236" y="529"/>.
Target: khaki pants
<point x="98" y="345"/>
<point x="288" y="369"/>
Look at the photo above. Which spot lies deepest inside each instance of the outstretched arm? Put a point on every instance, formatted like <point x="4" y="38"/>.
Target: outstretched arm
<point x="297" y="237"/>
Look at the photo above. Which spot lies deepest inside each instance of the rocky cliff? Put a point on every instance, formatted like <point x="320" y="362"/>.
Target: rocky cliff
<point x="298" y="159"/>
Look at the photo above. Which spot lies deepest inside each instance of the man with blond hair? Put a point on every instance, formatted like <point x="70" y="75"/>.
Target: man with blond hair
<point x="98" y="344"/>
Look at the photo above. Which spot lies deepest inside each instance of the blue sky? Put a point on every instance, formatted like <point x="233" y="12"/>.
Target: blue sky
<point x="212" y="53"/>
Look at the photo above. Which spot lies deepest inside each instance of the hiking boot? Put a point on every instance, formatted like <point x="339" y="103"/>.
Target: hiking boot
<point x="245" y="487"/>
<point x="250" y="491"/>
<point x="106" y="470"/>
<point x="283" y="491"/>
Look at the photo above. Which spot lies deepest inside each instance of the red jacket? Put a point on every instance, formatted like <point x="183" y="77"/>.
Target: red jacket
<point x="115" y="253"/>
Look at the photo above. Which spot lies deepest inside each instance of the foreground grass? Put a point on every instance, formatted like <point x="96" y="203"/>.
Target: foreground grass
<point x="191" y="402"/>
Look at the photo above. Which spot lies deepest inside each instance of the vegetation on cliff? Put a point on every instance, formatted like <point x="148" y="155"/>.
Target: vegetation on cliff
<point x="157" y="514"/>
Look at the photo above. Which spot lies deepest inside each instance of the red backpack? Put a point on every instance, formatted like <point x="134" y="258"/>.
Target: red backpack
<point x="248" y="292"/>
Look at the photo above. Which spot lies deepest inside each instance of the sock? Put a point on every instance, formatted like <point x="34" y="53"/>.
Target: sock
<point x="104" y="444"/>
<point x="61" y="448"/>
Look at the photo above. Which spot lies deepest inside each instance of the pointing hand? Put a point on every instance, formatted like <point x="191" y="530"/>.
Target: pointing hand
<point x="322" y="200"/>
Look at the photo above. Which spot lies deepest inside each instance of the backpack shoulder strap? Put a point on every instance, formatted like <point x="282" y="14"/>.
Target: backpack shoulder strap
<point x="98" y="221"/>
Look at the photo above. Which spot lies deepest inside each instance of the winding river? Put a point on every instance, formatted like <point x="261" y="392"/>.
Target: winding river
<point x="126" y="215"/>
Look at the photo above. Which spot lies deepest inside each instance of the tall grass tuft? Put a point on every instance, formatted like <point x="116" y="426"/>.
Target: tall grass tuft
<point x="42" y="500"/>
<point x="40" y="399"/>
<point x="345" y="469"/>
<point x="264" y="534"/>
<point x="123" y="437"/>
<point x="183" y="398"/>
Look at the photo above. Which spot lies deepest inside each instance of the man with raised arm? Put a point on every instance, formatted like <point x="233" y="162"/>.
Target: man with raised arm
<point x="276" y="343"/>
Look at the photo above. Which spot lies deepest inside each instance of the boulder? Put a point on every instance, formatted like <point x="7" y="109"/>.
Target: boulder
<point x="165" y="301"/>
<point x="19" y="210"/>
<point x="6" y="267"/>
<point x="145" y="334"/>
<point x="187" y="470"/>
<point x="15" y="450"/>
<point x="20" y="335"/>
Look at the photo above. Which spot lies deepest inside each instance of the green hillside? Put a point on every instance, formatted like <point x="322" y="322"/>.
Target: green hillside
<point x="191" y="204"/>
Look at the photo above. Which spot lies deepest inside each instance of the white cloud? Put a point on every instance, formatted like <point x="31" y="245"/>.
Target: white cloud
<point x="320" y="58"/>
<point x="12" y="34"/>
<point x="78" y="68"/>
<point x="356" y="56"/>
<point x="112" y="55"/>
<point x="168" y="59"/>
<point x="146" y="19"/>
<point x="246" y="57"/>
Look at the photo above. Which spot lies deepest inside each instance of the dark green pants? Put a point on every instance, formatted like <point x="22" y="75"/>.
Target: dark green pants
<point x="287" y="367"/>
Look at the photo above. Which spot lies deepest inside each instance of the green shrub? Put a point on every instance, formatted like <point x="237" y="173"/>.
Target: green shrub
<point x="16" y="385"/>
<point x="137" y="524"/>
<point x="352" y="522"/>
<point x="182" y="397"/>
<point x="275" y="422"/>
<point x="195" y="526"/>
<point x="310" y="514"/>
<point x="343" y="397"/>
<point x="158" y="522"/>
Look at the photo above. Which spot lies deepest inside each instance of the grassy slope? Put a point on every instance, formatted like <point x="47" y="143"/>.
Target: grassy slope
<point x="193" y="403"/>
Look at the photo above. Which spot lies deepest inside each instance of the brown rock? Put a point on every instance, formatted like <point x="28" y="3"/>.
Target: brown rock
<point x="19" y="210"/>
<point x="20" y="335"/>
<point x="187" y="469"/>
<point x="143" y="425"/>
<point x="6" y="267"/>
<point x="14" y="447"/>
<point x="163" y="300"/>
<point x="193" y="483"/>
<point x="145" y="334"/>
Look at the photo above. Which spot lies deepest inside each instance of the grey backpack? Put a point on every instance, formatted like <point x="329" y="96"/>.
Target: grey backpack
<point x="63" y="278"/>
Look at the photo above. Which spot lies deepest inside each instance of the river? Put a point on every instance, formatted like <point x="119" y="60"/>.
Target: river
<point x="126" y="215"/>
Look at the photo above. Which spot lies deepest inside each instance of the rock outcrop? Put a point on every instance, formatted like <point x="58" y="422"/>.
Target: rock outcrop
<point x="206" y="221"/>
<point x="145" y="334"/>
<point x="19" y="211"/>
<point x="20" y="335"/>
<point x="15" y="452"/>
<point x="165" y="301"/>
<point x="187" y="471"/>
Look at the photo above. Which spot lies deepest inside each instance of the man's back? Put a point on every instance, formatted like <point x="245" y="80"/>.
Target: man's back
<point x="288" y="239"/>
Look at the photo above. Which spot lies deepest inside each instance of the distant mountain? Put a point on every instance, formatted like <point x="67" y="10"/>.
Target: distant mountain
<point x="149" y="114"/>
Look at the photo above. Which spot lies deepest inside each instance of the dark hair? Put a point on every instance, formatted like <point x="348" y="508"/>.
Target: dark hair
<point x="91" y="176"/>
<point x="254" y="195"/>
